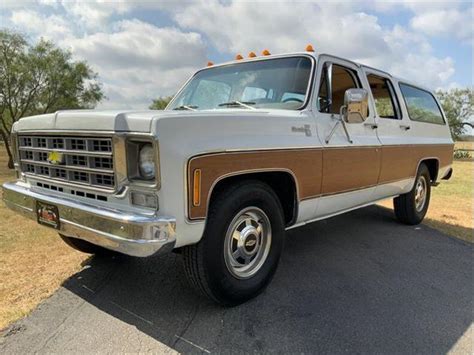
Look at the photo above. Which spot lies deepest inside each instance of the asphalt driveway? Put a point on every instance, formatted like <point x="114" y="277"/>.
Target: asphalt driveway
<point x="357" y="283"/>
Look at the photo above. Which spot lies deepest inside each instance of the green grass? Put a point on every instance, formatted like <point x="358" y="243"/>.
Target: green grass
<point x="451" y="205"/>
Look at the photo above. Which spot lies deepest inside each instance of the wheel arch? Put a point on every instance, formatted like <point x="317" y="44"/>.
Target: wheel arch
<point x="432" y="164"/>
<point x="282" y="181"/>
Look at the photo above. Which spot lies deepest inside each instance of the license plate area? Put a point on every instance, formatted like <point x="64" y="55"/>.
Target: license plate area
<point x="47" y="214"/>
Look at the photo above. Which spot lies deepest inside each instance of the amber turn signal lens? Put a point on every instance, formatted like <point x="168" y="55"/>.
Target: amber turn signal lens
<point x="252" y="55"/>
<point x="197" y="187"/>
<point x="309" y="48"/>
<point x="238" y="57"/>
<point x="265" y="52"/>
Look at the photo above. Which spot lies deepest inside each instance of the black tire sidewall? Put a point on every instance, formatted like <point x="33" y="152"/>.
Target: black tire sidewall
<point x="226" y="288"/>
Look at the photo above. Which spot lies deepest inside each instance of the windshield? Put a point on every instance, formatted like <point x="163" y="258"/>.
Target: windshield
<point x="273" y="83"/>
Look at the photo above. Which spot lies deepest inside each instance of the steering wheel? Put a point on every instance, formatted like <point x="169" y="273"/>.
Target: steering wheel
<point x="292" y="99"/>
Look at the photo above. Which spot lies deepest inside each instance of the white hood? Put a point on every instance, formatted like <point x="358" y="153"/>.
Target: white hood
<point x="90" y="120"/>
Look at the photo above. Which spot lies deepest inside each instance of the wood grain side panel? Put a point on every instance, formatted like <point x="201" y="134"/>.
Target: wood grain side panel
<point x="346" y="169"/>
<point x="304" y="164"/>
<point x="401" y="162"/>
<point x="317" y="171"/>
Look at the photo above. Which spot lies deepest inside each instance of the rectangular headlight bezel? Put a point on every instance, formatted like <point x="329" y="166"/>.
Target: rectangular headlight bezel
<point x="133" y="146"/>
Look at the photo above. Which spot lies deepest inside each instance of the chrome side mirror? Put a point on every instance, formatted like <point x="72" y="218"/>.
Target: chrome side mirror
<point x="356" y="105"/>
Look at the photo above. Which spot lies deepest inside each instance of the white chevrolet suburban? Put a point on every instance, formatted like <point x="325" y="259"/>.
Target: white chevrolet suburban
<point x="244" y="151"/>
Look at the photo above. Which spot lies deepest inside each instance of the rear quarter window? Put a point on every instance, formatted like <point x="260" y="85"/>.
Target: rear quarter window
<point x="421" y="105"/>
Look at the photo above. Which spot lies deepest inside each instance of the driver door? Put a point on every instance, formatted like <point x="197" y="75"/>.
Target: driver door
<point x="351" y="161"/>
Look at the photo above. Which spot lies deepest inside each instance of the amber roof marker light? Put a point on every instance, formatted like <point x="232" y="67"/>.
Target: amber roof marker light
<point x="252" y="55"/>
<point x="239" y="57"/>
<point x="266" y="52"/>
<point x="210" y="64"/>
<point x="309" y="48"/>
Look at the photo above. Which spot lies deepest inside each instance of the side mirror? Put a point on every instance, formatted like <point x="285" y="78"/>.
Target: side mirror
<point x="356" y="104"/>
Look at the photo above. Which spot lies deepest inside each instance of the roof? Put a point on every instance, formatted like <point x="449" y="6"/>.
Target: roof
<point x="315" y="57"/>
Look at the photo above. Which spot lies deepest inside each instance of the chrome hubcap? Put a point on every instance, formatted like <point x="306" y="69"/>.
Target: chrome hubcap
<point x="247" y="242"/>
<point x="420" y="193"/>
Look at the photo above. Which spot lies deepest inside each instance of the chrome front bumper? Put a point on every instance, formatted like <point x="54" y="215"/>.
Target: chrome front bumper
<point x="128" y="233"/>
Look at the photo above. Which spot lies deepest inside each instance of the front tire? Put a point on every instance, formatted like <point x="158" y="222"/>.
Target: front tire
<point x="241" y="246"/>
<point x="411" y="208"/>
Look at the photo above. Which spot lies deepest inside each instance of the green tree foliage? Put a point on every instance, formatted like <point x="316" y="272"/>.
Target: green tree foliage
<point x="458" y="105"/>
<point x="160" y="103"/>
<point x="40" y="78"/>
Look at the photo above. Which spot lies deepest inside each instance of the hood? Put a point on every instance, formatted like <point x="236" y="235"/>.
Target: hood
<point x="90" y="120"/>
<point x="126" y="121"/>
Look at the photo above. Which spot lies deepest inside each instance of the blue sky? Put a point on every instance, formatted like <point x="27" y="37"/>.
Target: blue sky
<point x="145" y="49"/>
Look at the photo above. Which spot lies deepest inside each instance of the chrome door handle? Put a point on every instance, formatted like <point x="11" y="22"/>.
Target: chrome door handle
<point x="371" y="125"/>
<point x="405" y="127"/>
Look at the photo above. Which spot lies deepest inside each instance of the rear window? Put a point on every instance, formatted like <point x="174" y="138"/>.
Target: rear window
<point x="421" y="105"/>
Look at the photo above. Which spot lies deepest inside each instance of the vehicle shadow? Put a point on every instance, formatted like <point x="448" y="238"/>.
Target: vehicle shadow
<point x="461" y="232"/>
<point x="359" y="283"/>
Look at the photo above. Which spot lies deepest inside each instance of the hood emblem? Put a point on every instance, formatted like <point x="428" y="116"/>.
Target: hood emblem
<point x="55" y="158"/>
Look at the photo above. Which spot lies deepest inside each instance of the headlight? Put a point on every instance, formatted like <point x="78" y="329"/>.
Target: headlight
<point x="143" y="167"/>
<point x="146" y="162"/>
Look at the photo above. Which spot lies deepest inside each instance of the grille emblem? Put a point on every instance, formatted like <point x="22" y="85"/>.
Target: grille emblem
<point x="55" y="158"/>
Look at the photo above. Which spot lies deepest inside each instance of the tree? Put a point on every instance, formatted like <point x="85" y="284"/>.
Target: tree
<point x="160" y="103"/>
<point x="458" y="105"/>
<point x="40" y="78"/>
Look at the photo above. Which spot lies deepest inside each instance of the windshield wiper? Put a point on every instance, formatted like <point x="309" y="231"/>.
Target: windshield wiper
<point x="245" y="104"/>
<point x="186" y="107"/>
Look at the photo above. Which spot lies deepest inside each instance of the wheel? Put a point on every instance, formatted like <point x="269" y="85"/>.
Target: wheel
<point x="411" y="208"/>
<point x="86" y="247"/>
<point x="241" y="246"/>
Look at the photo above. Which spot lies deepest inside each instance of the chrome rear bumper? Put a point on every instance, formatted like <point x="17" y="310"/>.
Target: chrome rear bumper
<point x="128" y="233"/>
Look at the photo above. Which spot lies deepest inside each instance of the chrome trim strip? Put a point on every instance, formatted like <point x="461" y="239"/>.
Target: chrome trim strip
<point x="66" y="151"/>
<point x="234" y="173"/>
<point x="74" y="133"/>
<point x="338" y="213"/>
<point x="67" y="167"/>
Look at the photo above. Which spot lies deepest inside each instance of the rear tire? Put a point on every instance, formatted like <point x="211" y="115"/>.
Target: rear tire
<point x="86" y="247"/>
<point x="241" y="246"/>
<point x="411" y="208"/>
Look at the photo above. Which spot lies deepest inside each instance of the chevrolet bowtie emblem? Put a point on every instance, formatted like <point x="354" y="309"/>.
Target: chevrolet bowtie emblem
<point x="55" y="158"/>
<point x="250" y="243"/>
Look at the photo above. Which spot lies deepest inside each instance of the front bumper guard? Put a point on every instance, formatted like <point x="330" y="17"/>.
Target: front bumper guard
<point x="128" y="233"/>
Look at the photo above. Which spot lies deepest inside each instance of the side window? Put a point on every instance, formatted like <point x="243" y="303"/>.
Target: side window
<point x="385" y="99"/>
<point x="421" y="105"/>
<point x="342" y="79"/>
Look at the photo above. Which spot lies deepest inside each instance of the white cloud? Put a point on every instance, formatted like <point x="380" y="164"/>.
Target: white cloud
<point x="138" y="61"/>
<point x="51" y="27"/>
<point x="335" y="28"/>
<point x="94" y="14"/>
<point x="134" y="43"/>
<point x="282" y="27"/>
<point x="445" y="22"/>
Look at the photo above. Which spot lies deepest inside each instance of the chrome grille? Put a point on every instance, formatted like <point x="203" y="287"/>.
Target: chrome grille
<point x="85" y="160"/>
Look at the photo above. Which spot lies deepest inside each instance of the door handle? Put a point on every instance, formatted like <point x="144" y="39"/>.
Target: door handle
<point x="405" y="127"/>
<point x="371" y="125"/>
